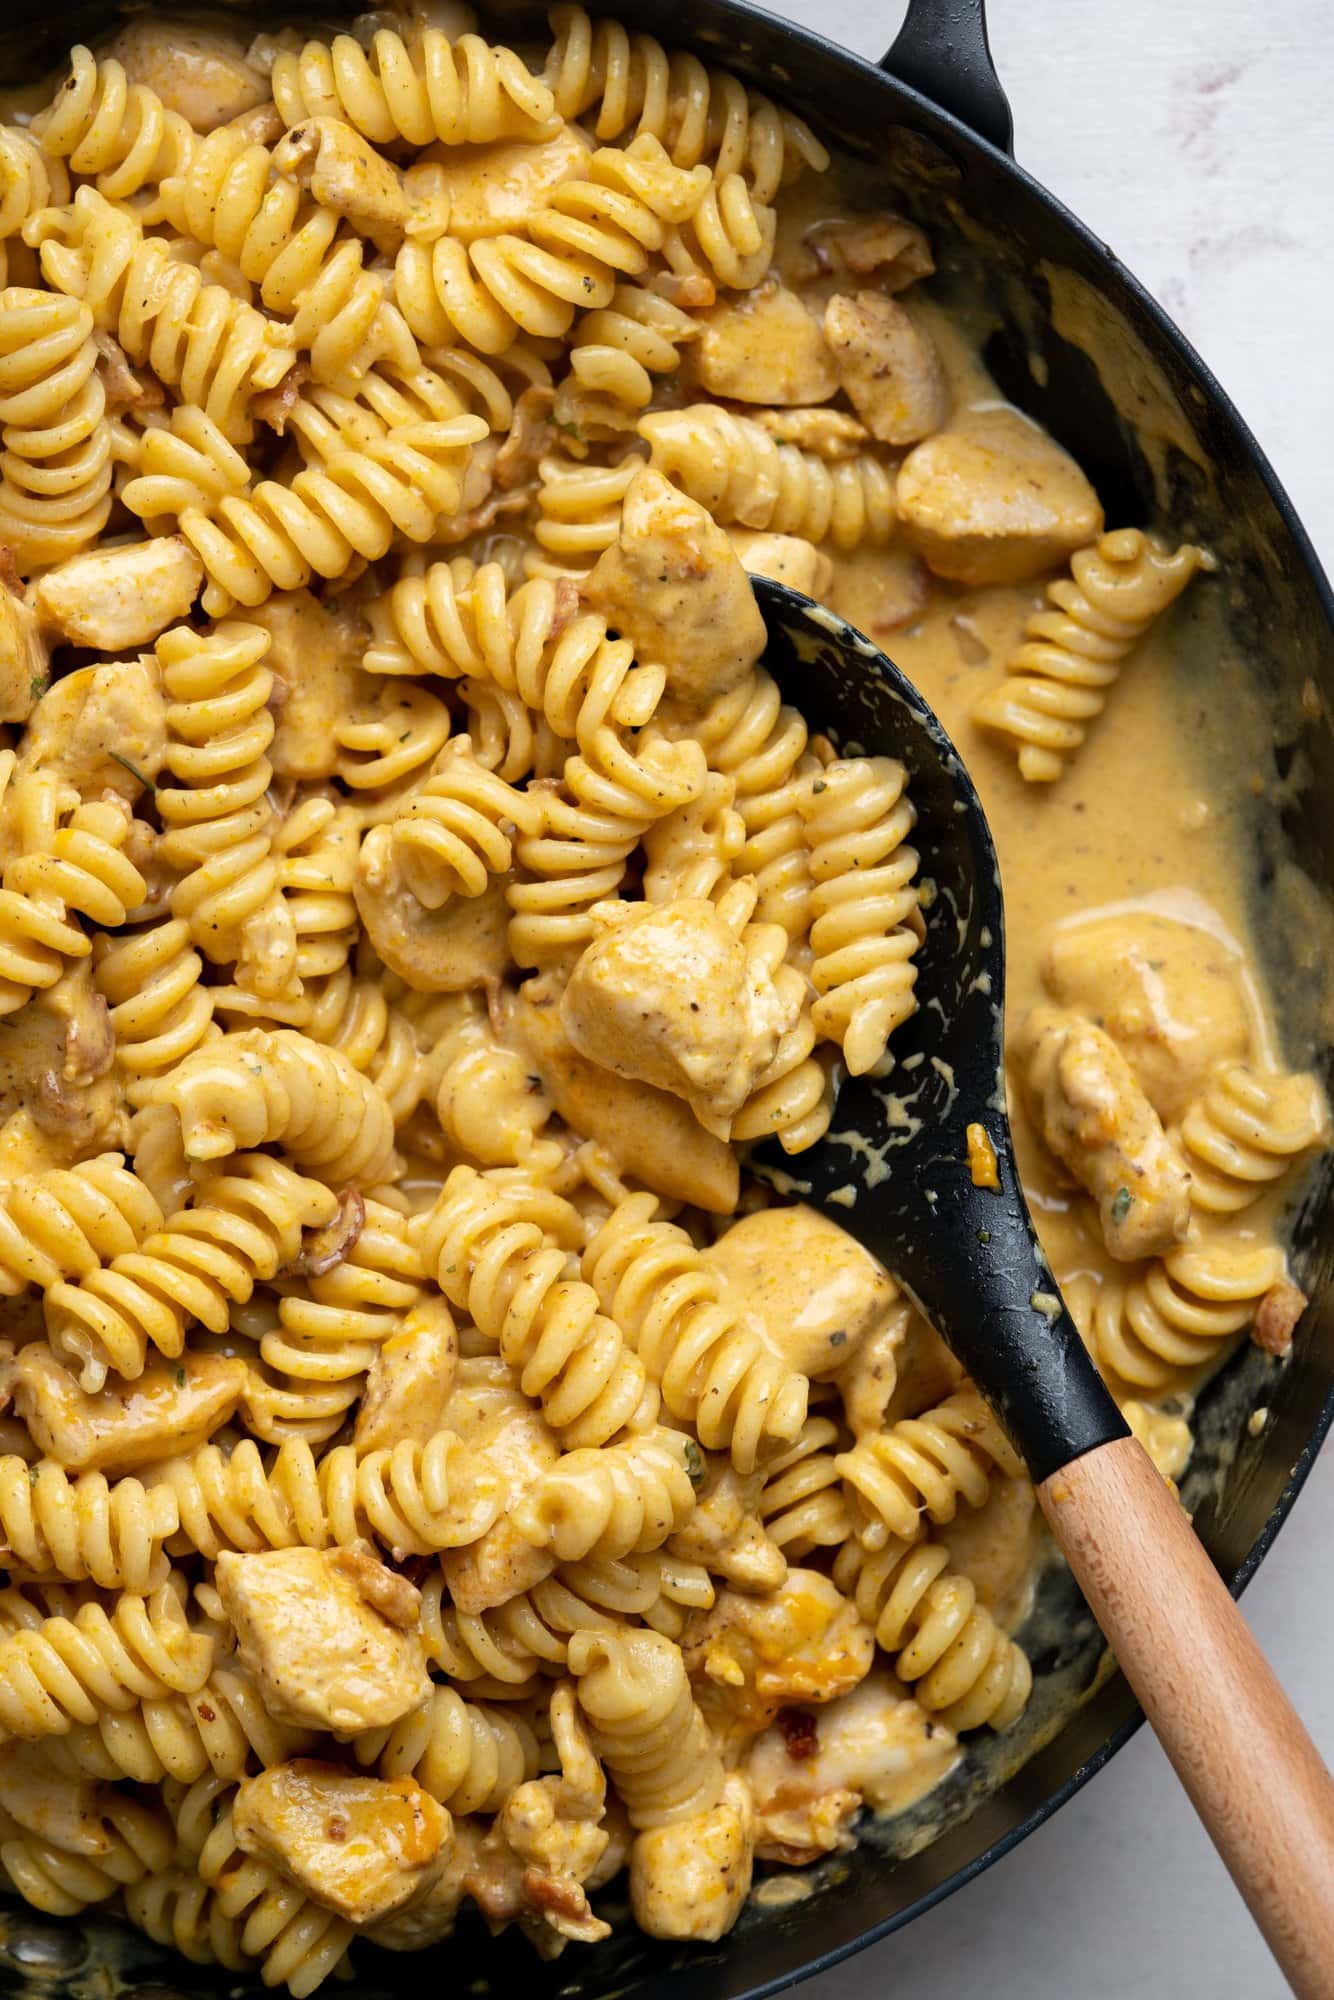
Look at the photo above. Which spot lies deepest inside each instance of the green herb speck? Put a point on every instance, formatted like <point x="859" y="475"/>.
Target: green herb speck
<point x="819" y="786"/>
<point x="180" y="1378"/>
<point x="133" y="769"/>
<point x="837" y="1338"/>
<point x="571" y="431"/>
<point x="1121" y="1201"/>
<point x="984" y="1236"/>
<point x="694" y="1463"/>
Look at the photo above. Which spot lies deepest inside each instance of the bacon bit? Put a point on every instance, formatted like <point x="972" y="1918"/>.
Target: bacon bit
<point x="383" y="1589"/>
<point x="800" y="1733"/>
<point x="1279" y="1311"/>
<point x="415" y="1568"/>
<point x="554" y="1893"/>
<point x="911" y="588"/>
<point x="9" y="571"/>
<point x="336" y="1828"/>
<point x="205" y="1713"/>
<point x="324" y="1248"/>
<point x="274" y="406"/>
<point x="127" y="388"/>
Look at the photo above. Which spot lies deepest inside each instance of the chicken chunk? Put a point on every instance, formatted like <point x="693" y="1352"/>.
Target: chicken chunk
<point x="171" y="1408"/>
<point x="102" y="728"/>
<point x="875" y="1747"/>
<point x="57" y="1065"/>
<point x="25" y="657"/>
<point x="655" y="1137"/>
<point x="521" y="1446"/>
<point x="830" y="434"/>
<point x="1098" y="1122"/>
<point x="410" y="1381"/>
<point x="668" y="994"/>
<point x="347" y="175"/>
<point x="888" y="367"/>
<point x="671" y="583"/>
<point x="315" y="659"/>
<point x="200" y="72"/>
<point x="321" y="1655"/>
<point x="751" y="1656"/>
<point x="494" y="189"/>
<point x="995" y="1546"/>
<point x="1168" y="992"/>
<point x="357" y="1845"/>
<point x="764" y="347"/>
<point x="786" y="558"/>
<point x="691" y="1879"/>
<point x="995" y="501"/>
<point x="897" y="251"/>
<point x="114" y="598"/>
<point x="725" y="1532"/>
<point x="461" y="945"/>
<point x="807" y="1288"/>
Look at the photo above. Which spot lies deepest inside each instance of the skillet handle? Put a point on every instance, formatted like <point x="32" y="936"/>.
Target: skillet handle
<point x="942" y="50"/>
<point x="1253" y="1774"/>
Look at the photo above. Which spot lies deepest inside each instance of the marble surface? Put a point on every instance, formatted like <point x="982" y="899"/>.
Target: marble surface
<point x="1195" y="139"/>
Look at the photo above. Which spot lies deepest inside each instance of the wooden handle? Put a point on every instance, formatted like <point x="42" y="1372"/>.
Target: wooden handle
<point x="1253" y="1774"/>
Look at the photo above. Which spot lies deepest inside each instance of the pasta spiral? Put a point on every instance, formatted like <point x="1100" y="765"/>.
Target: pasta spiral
<point x="67" y="1221"/>
<point x="1175" y="1314"/>
<point x="645" y="1725"/>
<point x="222" y="1729"/>
<point x="1056" y="685"/>
<point x="713" y="1373"/>
<point x="262" y="1089"/>
<point x="866" y="924"/>
<point x="352" y="1013"/>
<point x="578" y="514"/>
<point x="218" y="822"/>
<point x="1245" y="1132"/>
<point x="615" y="352"/>
<point x="315" y="848"/>
<point x="698" y="113"/>
<point x="298" y="1943"/>
<point x="278" y="536"/>
<point x="802" y="1505"/>
<point x="82" y="1527"/>
<point x="793" y="1099"/>
<point x="501" y="1253"/>
<point x="691" y="851"/>
<point x="622" y="1500"/>
<point x="55" y="470"/>
<point x="949" y="1649"/>
<point x="732" y="466"/>
<point x="119" y="132"/>
<point x="461" y="92"/>
<point x="248" y="1227"/>
<point x="78" y="1843"/>
<point x="160" y="1011"/>
<point x="925" y="1465"/>
<point x="29" y="179"/>
<point x="729" y="238"/>
<point x="79" y="869"/>
<point x="214" y="350"/>
<point x="72" y="1670"/>
<point x="450" y="837"/>
<point x="588" y="233"/>
<point x="468" y="1757"/>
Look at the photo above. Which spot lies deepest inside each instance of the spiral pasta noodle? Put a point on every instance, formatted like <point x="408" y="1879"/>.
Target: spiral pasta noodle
<point x="83" y="1527"/>
<point x="645" y="1725"/>
<point x="802" y="1504"/>
<point x="451" y="836"/>
<point x="159" y="1009"/>
<point x="1174" y="1316"/>
<point x="925" y="1465"/>
<point x="732" y="466"/>
<point x="615" y="352"/>
<point x="77" y="869"/>
<point x="530" y="1632"/>
<point x="713" y="1373"/>
<point x="222" y="1729"/>
<point x="72" y="1670"/>
<point x="1245" y="1132"/>
<point x="462" y="91"/>
<point x="67" y="1221"/>
<point x="55" y="469"/>
<point x="948" y="1648"/>
<point x="1057" y="683"/>
<point x="85" y="1844"/>
<point x="30" y="179"/>
<point x="114" y="131"/>
<point x="578" y="514"/>
<point x="468" y="1756"/>
<point x="622" y="1500"/>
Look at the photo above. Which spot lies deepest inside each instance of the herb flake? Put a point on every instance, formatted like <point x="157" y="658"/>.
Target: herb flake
<point x="1121" y="1203"/>
<point x="133" y="769"/>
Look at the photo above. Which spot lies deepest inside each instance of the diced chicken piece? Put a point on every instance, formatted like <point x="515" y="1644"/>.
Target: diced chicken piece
<point x="102" y="728"/>
<point x="346" y="174"/>
<point x="171" y="1408"/>
<point x="807" y="1288"/>
<point x="357" y="1845"/>
<point x="691" y="1879"/>
<point x="114" y="598"/>
<point x="725" y="1531"/>
<point x="994" y="1546"/>
<point x="927" y="1372"/>
<point x="322" y="1656"/>
<point x="494" y="189"/>
<point x="875" y="1747"/>
<point x="410" y="1381"/>
<point x="1277" y="1317"/>
<point x="888" y="366"/>
<point x="751" y="1656"/>
<point x="57" y="1063"/>
<point x="1098" y="1122"/>
<point x="521" y="1446"/>
<point x="473" y="1862"/>
<point x="1169" y="993"/>
<point x="24" y="1147"/>
<point x="25" y="657"/>
<point x="764" y="347"/>
<point x="654" y="1136"/>
<point x="315" y="659"/>
<point x="995" y="501"/>
<point x="830" y="434"/>
<point x="463" y="944"/>
<point x="668" y="994"/>
<point x="897" y="251"/>
<point x="200" y="72"/>
<point x="786" y="558"/>
<point x="385" y="1590"/>
<point x="671" y="584"/>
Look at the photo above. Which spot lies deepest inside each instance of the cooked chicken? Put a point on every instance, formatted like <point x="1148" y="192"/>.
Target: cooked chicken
<point x="691" y="1879"/>
<point x="114" y="598"/>
<point x="322" y="1656"/>
<point x="348" y="176"/>
<point x="171" y="1408"/>
<point x="807" y="1288"/>
<point x="888" y="366"/>
<point x="493" y="189"/>
<point x="315" y="659"/>
<point x="995" y="500"/>
<point x="103" y="728"/>
<point x="786" y="558"/>
<point x="360" y="1846"/>
<point x="671" y="584"/>
<point x="830" y="434"/>
<point x="410" y="1381"/>
<point x="897" y="251"/>
<point x="494" y="1416"/>
<point x="725" y="1531"/>
<point x="25" y="657"/>
<point x="463" y="944"/>
<point x="763" y="346"/>
<point x="200" y="72"/>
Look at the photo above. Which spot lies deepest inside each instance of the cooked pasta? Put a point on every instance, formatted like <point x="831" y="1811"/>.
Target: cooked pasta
<point x="430" y="1457"/>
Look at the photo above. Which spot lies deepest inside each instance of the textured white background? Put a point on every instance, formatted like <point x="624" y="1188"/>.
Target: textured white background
<point x="1194" y="137"/>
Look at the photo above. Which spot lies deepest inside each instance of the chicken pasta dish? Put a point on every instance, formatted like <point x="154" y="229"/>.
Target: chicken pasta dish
<point x="435" y="1473"/>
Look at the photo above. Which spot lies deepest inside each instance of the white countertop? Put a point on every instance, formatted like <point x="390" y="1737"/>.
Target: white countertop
<point x="1194" y="136"/>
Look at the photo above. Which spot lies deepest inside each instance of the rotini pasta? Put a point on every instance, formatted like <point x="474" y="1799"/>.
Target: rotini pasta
<point x="55" y="469"/>
<point x="64" y="1223"/>
<point x="72" y="865"/>
<point x="118" y="132"/>
<point x="645" y="1724"/>
<point x="1245" y="1133"/>
<point x="1173" y="1317"/>
<point x="461" y="92"/>
<point x="74" y="1670"/>
<point x="924" y="1466"/>
<point x="467" y="1756"/>
<point x="81" y="1528"/>
<point x="623" y="1500"/>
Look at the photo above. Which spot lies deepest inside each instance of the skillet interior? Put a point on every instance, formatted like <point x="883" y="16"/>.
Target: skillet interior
<point x="1159" y="440"/>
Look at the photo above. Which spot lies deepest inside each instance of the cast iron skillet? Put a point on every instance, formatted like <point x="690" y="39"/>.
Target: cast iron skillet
<point x="1161" y="441"/>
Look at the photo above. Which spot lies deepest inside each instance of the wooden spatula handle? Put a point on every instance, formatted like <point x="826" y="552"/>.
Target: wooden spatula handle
<point x="1255" y="1777"/>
